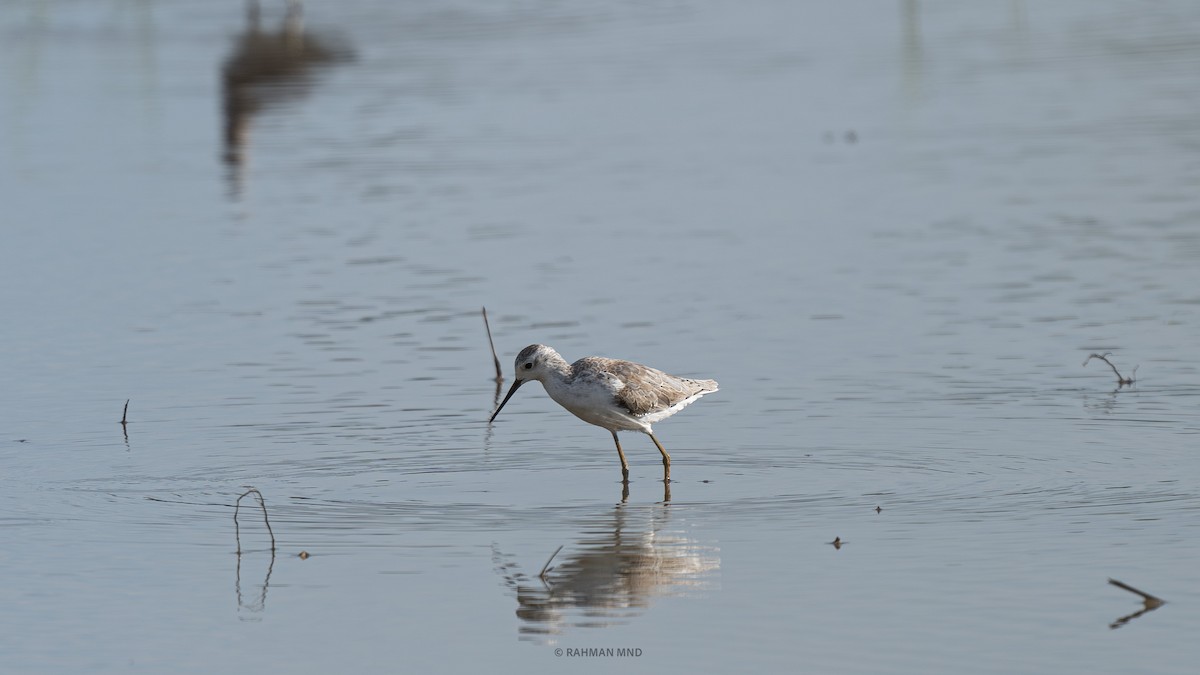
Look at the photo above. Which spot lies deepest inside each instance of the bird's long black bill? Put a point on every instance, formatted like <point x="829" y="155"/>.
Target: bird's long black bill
<point x="513" y="390"/>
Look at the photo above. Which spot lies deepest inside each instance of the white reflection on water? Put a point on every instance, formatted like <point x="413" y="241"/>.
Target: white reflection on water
<point x="624" y="560"/>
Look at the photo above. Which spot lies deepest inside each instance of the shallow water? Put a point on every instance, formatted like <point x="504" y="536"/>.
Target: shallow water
<point x="892" y="232"/>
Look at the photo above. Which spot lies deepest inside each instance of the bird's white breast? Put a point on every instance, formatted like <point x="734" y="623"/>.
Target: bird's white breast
<point x="592" y="398"/>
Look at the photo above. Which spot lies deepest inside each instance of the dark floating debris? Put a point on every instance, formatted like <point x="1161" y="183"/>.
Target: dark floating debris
<point x="1121" y="379"/>
<point x="878" y="509"/>
<point x="303" y="555"/>
<point x="1149" y="603"/>
<point x="837" y="542"/>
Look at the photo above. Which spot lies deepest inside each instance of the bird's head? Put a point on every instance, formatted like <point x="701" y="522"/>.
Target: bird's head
<point x="533" y="363"/>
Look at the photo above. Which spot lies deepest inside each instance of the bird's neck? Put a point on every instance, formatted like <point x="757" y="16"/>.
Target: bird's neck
<point x="558" y="367"/>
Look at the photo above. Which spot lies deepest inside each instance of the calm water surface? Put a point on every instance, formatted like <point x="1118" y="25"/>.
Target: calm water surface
<point x="892" y="231"/>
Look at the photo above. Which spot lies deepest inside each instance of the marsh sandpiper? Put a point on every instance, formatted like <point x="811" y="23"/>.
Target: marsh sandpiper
<point x="610" y="393"/>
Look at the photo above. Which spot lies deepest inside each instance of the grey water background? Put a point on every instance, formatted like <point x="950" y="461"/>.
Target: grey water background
<point x="892" y="231"/>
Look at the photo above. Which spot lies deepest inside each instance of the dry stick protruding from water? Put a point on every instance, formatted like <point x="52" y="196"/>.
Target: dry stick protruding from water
<point x="1146" y="597"/>
<point x="1149" y="603"/>
<point x="125" y="422"/>
<point x="238" y="505"/>
<point x="496" y="359"/>
<point x="546" y="568"/>
<point x="1121" y="379"/>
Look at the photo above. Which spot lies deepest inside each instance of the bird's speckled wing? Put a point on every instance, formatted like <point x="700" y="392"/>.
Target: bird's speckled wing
<point x="645" y="390"/>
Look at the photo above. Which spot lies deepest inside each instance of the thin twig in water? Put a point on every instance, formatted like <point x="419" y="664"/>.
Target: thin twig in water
<point x="1149" y="599"/>
<point x="1149" y="603"/>
<point x="496" y="359"/>
<point x="1121" y="379"/>
<point x="125" y="423"/>
<point x="238" y="505"/>
<point x="546" y="568"/>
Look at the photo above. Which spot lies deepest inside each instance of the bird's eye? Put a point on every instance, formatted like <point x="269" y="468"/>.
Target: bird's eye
<point x="528" y="365"/>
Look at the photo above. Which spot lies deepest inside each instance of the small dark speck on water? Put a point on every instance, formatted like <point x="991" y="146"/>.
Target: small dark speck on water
<point x="303" y="555"/>
<point x="878" y="509"/>
<point x="837" y="542"/>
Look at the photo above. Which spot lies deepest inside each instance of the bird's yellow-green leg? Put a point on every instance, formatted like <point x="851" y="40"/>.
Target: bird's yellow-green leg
<point x="624" y="464"/>
<point x="666" y="458"/>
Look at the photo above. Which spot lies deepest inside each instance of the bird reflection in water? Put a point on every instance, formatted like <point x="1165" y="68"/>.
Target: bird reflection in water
<point x="265" y="69"/>
<point x="626" y="559"/>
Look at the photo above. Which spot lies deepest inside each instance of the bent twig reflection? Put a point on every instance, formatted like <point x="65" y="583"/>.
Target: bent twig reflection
<point x="1130" y="617"/>
<point x="625" y="560"/>
<point x="259" y="603"/>
<point x="267" y="68"/>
